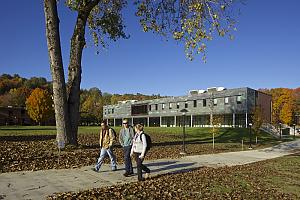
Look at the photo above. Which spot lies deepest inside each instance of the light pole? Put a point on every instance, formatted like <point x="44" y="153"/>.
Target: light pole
<point x="183" y="111"/>
<point x="280" y="130"/>
<point x="250" y="138"/>
<point x="294" y="131"/>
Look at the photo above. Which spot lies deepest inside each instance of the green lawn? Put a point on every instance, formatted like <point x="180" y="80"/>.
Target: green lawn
<point x="224" y="135"/>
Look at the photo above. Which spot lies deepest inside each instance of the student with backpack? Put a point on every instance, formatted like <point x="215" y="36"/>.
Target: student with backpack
<point x="107" y="139"/>
<point x="139" y="149"/>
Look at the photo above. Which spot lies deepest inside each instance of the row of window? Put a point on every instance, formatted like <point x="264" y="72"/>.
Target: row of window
<point x="204" y="103"/>
<point x="186" y="105"/>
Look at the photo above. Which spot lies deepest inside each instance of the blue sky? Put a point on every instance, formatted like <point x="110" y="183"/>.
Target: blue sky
<point x="264" y="54"/>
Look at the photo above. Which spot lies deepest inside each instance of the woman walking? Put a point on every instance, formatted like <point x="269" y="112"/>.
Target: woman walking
<point x="139" y="151"/>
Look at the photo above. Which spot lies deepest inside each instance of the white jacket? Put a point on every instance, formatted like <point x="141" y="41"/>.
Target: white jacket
<point x="138" y="145"/>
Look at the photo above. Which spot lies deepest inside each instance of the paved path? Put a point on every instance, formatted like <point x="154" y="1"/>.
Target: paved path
<point x="39" y="184"/>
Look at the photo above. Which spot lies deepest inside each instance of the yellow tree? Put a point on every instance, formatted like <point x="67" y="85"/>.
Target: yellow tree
<point x="283" y="105"/>
<point x="286" y="113"/>
<point x="39" y="105"/>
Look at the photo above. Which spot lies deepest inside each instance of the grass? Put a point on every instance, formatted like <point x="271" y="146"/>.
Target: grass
<point x="224" y="135"/>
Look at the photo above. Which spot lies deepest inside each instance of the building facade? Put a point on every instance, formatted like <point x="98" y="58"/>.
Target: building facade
<point x="234" y="108"/>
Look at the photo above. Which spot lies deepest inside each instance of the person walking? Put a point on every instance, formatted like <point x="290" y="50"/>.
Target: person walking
<point x="125" y="138"/>
<point x="138" y="149"/>
<point x="107" y="139"/>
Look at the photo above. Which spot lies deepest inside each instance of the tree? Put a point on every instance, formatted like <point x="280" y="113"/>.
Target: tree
<point x="257" y="120"/>
<point x="284" y="105"/>
<point x="8" y="82"/>
<point x="19" y="96"/>
<point x="286" y="113"/>
<point x="39" y="105"/>
<point x="216" y="122"/>
<point x="92" y="106"/>
<point x="189" y="21"/>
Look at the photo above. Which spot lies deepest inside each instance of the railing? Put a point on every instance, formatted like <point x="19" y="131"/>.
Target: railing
<point x="269" y="128"/>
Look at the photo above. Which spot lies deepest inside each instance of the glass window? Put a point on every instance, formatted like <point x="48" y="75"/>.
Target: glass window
<point x="170" y="105"/>
<point x="149" y="107"/>
<point x="163" y="106"/>
<point x="195" y="103"/>
<point x="204" y="102"/>
<point x="156" y="107"/>
<point x="177" y="105"/>
<point x="186" y="105"/>
<point x="112" y="111"/>
<point x="239" y="99"/>
<point x="215" y="102"/>
<point x="226" y="100"/>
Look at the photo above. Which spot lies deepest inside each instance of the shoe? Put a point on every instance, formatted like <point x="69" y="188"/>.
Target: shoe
<point x="147" y="175"/>
<point x="95" y="170"/>
<point x="126" y="174"/>
<point x="131" y="174"/>
<point x="114" y="169"/>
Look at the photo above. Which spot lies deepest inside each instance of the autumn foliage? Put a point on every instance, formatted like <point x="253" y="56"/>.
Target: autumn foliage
<point x="39" y="105"/>
<point x="284" y="104"/>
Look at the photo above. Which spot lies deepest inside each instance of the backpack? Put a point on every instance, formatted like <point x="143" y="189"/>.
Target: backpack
<point x="114" y="133"/>
<point x="148" y="140"/>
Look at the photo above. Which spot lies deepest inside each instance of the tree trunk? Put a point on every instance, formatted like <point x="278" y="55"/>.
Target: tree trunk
<point x="57" y="72"/>
<point x="74" y="76"/>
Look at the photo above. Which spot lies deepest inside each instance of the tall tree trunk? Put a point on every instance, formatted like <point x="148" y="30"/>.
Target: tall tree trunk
<point x="57" y="72"/>
<point x="74" y="76"/>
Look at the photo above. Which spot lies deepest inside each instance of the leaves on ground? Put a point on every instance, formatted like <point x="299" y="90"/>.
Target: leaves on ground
<point x="238" y="182"/>
<point x="35" y="154"/>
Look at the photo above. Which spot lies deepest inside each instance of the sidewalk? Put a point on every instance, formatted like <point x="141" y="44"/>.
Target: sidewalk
<point x="39" y="184"/>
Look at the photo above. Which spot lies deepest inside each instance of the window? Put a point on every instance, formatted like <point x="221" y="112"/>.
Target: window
<point x="239" y="99"/>
<point x="141" y="109"/>
<point x="186" y="105"/>
<point x="156" y="107"/>
<point x="177" y="105"/>
<point x="195" y="103"/>
<point x="204" y="102"/>
<point x="163" y="106"/>
<point x="149" y="107"/>
<point x="226" y="100"/>
<point x="112" y="111"/>
<point x="108" y="111"/>
<point x="215" y="102"/>
<point x="170" y="105"/>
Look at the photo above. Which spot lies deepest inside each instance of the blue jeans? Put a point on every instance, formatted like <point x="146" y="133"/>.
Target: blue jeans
<point x="127" y="159"/>
<point x="103" y="154"/>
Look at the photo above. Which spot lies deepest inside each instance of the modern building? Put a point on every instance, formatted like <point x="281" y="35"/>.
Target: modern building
<point x="234" y="108"/>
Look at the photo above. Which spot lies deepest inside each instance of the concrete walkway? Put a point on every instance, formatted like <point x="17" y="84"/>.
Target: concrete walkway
<point x="39" y="184"/>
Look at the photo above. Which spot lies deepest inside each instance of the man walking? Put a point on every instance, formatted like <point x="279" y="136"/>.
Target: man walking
<point x="125" y="138"/>
<point x="107" y="138"/>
